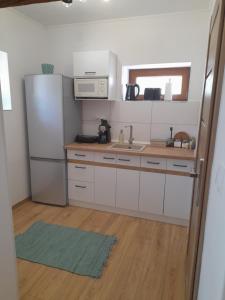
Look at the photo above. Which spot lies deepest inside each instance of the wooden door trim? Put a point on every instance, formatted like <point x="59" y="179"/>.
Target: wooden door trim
<point x="12" y="3"/>
<point x="217" y="93"/>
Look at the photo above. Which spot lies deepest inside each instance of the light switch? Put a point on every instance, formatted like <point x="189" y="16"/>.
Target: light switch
<point x="220" y="179"/>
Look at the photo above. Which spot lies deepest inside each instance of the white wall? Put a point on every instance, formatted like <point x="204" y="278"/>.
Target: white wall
<point x="8" y="277"/>
<point x="169" y="38"/>
<point x="212" y="279"/>
<point x="26" y="44"/>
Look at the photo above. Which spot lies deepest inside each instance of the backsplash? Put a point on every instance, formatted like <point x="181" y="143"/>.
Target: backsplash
<point x="150" y="119"/>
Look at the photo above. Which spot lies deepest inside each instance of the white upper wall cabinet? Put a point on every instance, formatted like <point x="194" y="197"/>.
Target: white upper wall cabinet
<point x="94" y="63"/>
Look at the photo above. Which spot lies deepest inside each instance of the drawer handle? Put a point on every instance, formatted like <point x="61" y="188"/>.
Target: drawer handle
<point x="153" y="163"/>
<point x="180" y="166"/>
<point x="78" y="167"/>
<point x="80" y="155"/>
<point x="90" y="73"/>
<point x="109" y="158"/>
<point x="80" y="186"/>
<point x="122" y="159"/>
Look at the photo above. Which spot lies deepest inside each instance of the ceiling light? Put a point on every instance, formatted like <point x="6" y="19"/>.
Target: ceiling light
<point x="67" y="3"/>
<point x="106" y="0"/>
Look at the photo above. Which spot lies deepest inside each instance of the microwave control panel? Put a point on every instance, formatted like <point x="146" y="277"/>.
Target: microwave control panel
<point x="103" y="87"/>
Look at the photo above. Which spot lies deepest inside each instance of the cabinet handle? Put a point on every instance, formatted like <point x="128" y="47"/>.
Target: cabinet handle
<point x="122" y="159"/>
<point x="78" y="167"/>
<point x="153" y="163"/>
<point x="80" y="155"/>
<point x="80" y="186"/>
<point x="109" y="158"/>
<point x="181" y="166"/>
<point x="90" y="73"/>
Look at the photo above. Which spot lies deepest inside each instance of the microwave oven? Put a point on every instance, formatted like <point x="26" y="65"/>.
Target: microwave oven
<point x="91" y="88"/>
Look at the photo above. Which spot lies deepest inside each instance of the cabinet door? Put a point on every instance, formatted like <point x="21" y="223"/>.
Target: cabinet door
<point x="127" y="189"/>
<point x="105" y="186"/>
<point x="91" y="63"/>
<point x="178" y="196"/>
<point x="152" y="188"/>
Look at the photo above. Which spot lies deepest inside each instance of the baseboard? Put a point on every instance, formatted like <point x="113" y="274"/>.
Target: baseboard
<point x="158" y="218"/>
<point x="21" y="202"/>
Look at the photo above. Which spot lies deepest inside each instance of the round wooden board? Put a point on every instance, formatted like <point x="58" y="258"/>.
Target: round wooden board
<point x="181" y="135"/>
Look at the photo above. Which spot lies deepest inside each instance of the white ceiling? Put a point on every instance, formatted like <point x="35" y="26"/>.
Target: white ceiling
<point x="55" y="13"/>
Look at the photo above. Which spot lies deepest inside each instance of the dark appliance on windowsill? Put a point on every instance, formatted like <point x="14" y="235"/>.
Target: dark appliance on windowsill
<point x="152" y="94"/>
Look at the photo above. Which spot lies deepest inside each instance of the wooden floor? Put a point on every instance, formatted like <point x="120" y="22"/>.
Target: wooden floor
<point x="146" y="264"/>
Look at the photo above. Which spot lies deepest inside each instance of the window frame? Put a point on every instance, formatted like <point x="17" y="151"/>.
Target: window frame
<point x="177" y="71"/>
<point x="5" y="90"/>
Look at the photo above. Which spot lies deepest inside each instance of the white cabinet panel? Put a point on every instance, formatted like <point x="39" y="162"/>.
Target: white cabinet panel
<point x="127" y="190"/>
<point x="128" y="160"/>
<point x="91" y="63"/>
<point x="180" y="165"/>
<point x="152" y="187"/>
<point x="81" y="191"/>
<point x="105" y="158"/>
<point x="178" y="196"/>
<point x="153" y="163"/>
<point x="80" y="172"/>
<point x="105" y="186"/>
<point x="80" y="155"/>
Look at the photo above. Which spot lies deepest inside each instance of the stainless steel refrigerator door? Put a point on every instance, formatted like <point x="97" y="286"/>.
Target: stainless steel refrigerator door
<point x="48" y="181"/>
<point x="44" y="98"/>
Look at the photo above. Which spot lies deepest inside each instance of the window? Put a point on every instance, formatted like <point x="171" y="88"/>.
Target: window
<point x="158" y="77"/>
<point x="4" y="81"/>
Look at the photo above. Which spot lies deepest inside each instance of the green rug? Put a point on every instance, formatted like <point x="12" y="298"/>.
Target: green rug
<point x="70" y="249"/>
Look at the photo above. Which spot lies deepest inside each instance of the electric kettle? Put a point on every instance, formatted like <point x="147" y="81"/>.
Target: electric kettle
<point x="131" y="93"/>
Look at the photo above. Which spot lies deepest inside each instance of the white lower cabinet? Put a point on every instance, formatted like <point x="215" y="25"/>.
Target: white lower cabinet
<point x="149" y="192"/>
<point x="80" y="191"/>
<point x="178" y="196"/>
<point x="105" y="186"/>
<point x="127" y="189"/>
<point x="152" y="189"/>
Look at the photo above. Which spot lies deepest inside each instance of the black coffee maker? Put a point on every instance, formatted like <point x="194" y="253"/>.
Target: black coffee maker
<point x="131" y="92"/>
<point x="104" y="134"/>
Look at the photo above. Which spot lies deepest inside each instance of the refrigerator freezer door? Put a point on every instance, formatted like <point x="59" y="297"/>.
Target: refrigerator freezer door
<point x="44" y="98"/>
<point x="48" y="181"/>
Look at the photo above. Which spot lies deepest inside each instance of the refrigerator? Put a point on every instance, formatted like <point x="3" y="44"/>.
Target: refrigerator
<point x="53" y="120"/>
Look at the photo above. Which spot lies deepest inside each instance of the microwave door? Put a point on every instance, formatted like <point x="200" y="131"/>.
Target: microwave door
<point x="91" y="88"/>
<point x="85" y="88"/>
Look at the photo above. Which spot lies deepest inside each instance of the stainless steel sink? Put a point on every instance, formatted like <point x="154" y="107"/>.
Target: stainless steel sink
<point x="133" y="147"/>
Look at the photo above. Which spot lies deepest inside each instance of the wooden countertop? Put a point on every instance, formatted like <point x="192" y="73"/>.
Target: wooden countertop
<point x="172" y="153"/>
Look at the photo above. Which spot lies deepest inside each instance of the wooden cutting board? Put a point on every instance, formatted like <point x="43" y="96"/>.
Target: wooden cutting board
<point x="182" y="136"/>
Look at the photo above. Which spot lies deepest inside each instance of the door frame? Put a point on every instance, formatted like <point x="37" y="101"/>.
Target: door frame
<point x="9" y="282"/>
<point x="211" y="149"/>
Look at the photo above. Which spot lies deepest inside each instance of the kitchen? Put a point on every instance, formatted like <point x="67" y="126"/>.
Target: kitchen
<point x="110" y="146"/>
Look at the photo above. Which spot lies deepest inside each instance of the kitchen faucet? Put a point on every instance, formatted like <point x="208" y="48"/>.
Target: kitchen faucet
<point x="131" y="138"/>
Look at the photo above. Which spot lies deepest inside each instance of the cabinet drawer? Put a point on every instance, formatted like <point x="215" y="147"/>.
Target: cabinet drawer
<point x="180" y="165"/>
<point x="80" y="155"/>
<point x="153" y="163"/>
<point x="81" y="191"/>
<point x="105" y="158"/>
<point x="80" y="172"/>
<point x="128" y="160"/>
